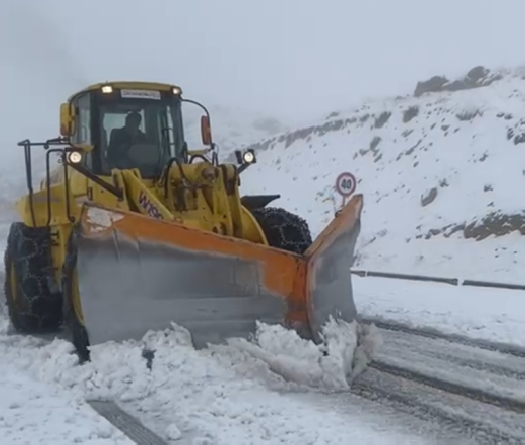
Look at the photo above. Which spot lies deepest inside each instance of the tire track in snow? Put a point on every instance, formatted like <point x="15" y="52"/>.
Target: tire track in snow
<point x="483" y="359"/>
<point x="479" y="389"/>
<point x="388" y="325"/>
<point x="450" y="387"/>
<point x="126" y="423"/>
<point x="481" y="423"/>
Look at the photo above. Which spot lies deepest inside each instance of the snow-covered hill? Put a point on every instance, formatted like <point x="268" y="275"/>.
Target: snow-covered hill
<point x="232" y="128"/>
<point x="441" y="172"/>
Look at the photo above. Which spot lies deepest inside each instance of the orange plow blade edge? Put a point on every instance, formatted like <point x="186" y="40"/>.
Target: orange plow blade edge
<point x="136" y="274"/>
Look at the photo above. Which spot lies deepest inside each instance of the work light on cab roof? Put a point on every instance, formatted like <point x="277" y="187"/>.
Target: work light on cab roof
<point x="108" y="89"/>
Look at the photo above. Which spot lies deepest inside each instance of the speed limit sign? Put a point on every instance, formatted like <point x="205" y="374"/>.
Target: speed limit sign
<point x="345" y="184"/>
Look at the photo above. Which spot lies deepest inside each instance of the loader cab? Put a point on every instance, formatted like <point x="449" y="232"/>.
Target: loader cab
<point x="100" y="121"/>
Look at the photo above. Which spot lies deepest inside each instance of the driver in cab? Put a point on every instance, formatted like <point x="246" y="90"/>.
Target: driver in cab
<point x="122" y="139"/>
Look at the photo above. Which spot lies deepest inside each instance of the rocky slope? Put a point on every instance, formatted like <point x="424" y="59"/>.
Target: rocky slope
<point x="441" y="171"/>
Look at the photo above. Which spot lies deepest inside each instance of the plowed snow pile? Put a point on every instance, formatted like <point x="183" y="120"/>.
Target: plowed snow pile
<point x="221" y="392"/>
<point x="441" y="173"/>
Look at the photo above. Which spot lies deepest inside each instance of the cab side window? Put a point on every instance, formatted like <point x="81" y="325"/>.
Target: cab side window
<point x="83" y="130"/>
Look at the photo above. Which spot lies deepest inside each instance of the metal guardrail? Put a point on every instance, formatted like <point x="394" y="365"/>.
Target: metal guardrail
<point x="451" y="281"/>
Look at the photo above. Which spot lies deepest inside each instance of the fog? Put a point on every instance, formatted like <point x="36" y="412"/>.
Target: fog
<point x="289" y="59"/>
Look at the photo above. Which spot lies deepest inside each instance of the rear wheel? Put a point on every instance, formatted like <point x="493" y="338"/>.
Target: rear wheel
<point x="33" y="306"/>
<point x="283" y="229"/>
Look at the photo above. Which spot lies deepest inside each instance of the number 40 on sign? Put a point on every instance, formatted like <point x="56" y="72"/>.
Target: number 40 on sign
<point x="345" y="185"/>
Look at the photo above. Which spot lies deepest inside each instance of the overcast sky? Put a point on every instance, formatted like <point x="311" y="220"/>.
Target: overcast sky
<point x="288" y="58"/>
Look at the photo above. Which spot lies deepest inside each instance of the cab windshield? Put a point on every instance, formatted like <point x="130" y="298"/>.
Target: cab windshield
<point x="140" y="129"/>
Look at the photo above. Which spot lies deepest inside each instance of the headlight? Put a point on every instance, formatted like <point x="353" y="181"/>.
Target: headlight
<point x="107" y="89"/>
<point x="248" y="157"/>
<point x="74" y="157"/>
<point x="176" y="91"/>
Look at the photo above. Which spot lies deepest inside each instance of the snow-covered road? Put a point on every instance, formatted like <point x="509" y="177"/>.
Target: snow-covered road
<point x="221" y="395"/>
<point x="453" y="380"/>
<point x="225" y="395"/>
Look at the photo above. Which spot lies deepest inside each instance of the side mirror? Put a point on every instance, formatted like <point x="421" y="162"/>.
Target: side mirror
<point x="206" y="130"/>
<point x="67" y="120"/>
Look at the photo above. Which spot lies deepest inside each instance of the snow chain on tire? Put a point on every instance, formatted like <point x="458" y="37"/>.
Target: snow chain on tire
<point x="283" y="229"/>
<point x="33" y="301"/>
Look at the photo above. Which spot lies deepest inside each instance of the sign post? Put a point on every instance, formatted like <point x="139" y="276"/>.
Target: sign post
<point x="345" y="185"/>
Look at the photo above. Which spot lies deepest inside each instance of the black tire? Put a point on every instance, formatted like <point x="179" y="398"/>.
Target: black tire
<point x="33" y="306"/>
<point x="78" y="331"/>
<point x="283" y="229"/>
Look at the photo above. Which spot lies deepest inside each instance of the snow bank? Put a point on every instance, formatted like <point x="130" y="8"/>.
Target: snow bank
<point x="439" y="174"/>
<point x="234" y="393"/>
<point x="345" y="353"/>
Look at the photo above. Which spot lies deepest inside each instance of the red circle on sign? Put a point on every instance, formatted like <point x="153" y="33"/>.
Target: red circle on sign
<point x="345" y="184"/>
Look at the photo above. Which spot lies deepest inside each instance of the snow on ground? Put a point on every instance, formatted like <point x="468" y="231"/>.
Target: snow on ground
<point x="33" y="412"/>
<point x="220" y="395"/>
<point x="254" y="393"/>
<point x="427" y="166"/>
<point x="439" y="173"/>
<point x="497" y="315"/>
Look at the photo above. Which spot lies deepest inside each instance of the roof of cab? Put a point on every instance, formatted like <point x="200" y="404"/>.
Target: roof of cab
<point x="129" y="84"/>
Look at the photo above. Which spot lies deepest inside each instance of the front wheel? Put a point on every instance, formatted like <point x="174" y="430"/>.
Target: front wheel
<point x="283" y="229"/>
<point x="33" y="306"/>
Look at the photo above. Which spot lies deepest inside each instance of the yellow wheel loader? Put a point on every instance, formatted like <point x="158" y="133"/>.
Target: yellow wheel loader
<point x="132" y="230"/>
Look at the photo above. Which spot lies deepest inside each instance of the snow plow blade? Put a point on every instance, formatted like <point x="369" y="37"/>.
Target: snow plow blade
<point x="329" y="259"/>
<point x="137" y="274"/>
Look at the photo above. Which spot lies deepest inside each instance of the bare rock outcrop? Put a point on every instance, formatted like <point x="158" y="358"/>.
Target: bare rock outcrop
<point x="477" y="77"/>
